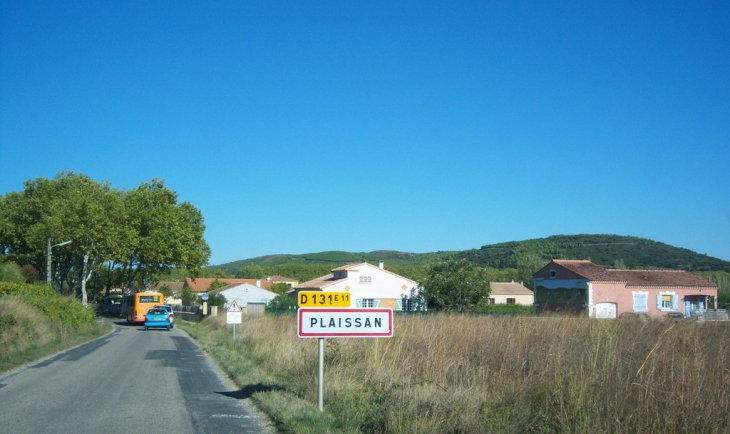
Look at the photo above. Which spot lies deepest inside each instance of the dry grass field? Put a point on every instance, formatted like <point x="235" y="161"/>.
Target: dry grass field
<point x="475" y="374"/>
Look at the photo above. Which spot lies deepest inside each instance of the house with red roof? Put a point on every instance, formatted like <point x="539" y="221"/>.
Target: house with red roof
<point x="584" y="288"/>
<point x="202" y="284"/>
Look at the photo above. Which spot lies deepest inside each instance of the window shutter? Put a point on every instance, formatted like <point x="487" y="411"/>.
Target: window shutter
<point x="358" y="302"/>
<point x="639" y="302"/>
<point x="659" y="301"/>
<point x="675" y="302"/>
<point x="399" y="304"/>
<point x="376" y="302"/>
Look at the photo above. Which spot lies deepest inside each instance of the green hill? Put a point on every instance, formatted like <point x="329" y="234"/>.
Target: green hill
<point x="604" y="250"/>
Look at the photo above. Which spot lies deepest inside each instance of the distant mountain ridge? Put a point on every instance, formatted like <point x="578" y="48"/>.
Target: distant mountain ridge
<point x="605" y="250"/>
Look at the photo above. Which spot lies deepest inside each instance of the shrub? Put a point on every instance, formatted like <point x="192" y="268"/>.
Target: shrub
<point x="67" y="310"/>
<point x="11" y="272"/>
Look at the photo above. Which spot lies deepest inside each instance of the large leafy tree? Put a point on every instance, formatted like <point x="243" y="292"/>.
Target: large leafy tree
<point x="165" y="234"/>
<point x="69" y="207"/>
<point x="132" y="234"/>
<point x="454" y="285"/>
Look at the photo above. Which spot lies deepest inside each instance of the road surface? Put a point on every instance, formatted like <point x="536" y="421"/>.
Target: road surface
<point x="129" y="381"/>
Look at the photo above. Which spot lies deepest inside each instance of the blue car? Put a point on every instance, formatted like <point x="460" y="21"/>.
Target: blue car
<point x="157" y="317"/>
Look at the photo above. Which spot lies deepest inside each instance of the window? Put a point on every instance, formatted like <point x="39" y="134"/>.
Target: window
<point x="640" y="301"/>
<point x="407" y="304"/>
<point x="553" y="274"/>
<point x="666" y="301"/>
<point x="366" y="279"/>
<point x="367" y="302"/>
<point x="490" y="301"/>
<point x="511" y="301"/>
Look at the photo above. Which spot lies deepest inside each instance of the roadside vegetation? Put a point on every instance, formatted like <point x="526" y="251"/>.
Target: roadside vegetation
<point x="36" y="322"/>
<point x="474" y="374"/>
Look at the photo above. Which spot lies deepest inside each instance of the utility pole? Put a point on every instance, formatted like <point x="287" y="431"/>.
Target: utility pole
<point x="48" y="258"/>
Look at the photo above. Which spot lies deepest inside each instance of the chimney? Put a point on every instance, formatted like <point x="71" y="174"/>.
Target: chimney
<point x="381" y="265"/>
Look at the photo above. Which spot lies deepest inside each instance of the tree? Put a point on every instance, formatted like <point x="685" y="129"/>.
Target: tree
<point x="251" y="271"/>
<point x="69" y="207"/>
<point x="454" y="285"/>
<point x="281" y="302"/>
<point x="165" y="234"/>
<point x="165" y="290"/>
<point x="215" y="285"/>
<point x="118" y="236"/>
<point x="187" y="298"/>
<point x="280" y="288"/>
<point x="217" y="300"/>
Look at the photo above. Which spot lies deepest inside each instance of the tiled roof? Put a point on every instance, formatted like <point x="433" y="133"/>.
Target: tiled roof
<point x="508" y="288"/>
<point x="320" y="282"/>
<point x="349" y="266"/>
<point x="233" y="285"/>
<point x="663" y="278"/>
<point x="636" y="278"/>
<point x="280" y="279"/>
<point x="588" y="269"/>
<point x="201" y="284"/>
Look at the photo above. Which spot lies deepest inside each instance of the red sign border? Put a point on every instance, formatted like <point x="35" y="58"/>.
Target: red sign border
<point x="302" y="310"/>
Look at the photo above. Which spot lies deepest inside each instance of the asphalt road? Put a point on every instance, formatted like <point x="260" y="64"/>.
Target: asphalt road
<point x="129" y="381"/>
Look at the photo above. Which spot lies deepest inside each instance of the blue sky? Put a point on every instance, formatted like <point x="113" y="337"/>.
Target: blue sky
<point x="306" y="126"/>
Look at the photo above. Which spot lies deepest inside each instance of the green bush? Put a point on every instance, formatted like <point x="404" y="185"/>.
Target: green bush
<point x="12" y="288"/>
<point x="11" y="272"/>
<point x="510" y="309"/>
<point x="67" y="310"/>
<point x="217" y="300"/>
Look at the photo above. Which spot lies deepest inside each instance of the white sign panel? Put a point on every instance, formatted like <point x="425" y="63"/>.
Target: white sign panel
<point x="345" y="323"/>
<point x="234" y="314"/>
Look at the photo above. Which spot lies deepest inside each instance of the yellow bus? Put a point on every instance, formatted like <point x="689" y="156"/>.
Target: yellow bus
<point x="138" y="304"/>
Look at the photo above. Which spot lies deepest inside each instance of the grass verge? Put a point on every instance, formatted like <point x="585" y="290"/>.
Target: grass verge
<point x="29" y="333"/>
<point x="481" y="374"/>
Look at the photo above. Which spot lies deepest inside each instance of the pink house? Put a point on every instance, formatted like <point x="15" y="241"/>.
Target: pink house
<point x="584" y="288"/>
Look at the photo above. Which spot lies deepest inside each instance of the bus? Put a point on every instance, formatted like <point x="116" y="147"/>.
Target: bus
<point x="138" y="304"/>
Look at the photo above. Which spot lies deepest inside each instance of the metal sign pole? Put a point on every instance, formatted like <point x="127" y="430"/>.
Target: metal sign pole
<point x="320" y="388"/>
<point x="234" y="331"/>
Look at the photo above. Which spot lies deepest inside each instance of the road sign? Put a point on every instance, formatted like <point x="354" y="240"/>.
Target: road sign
<point x="323" y="299"/>
<point x="204" y="296"/>
<point x="345" y="323"/>
<point x="234" y="314"/>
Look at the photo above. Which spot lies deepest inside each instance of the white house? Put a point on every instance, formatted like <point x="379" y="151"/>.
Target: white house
<point x="369" y="286"/>
<point x="246" y="294"/>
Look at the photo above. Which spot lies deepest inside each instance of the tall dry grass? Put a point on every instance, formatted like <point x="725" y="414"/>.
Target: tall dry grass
<point x="465" y="374"/>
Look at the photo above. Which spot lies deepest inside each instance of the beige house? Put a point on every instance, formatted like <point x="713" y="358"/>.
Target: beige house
<point x="369" y="286"/>
<point x="509" y="293"/>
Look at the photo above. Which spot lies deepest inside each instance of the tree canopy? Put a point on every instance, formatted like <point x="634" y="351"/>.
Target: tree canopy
<point x="453" y="285"/>
<point x="130" y="235"/>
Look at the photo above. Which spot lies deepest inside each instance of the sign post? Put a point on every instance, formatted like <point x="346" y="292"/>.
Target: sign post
<point x="328" y="315"/>
<point x="204" y="297"/>
<point x="345" y="323"/>
<point x="233" y="316"/>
